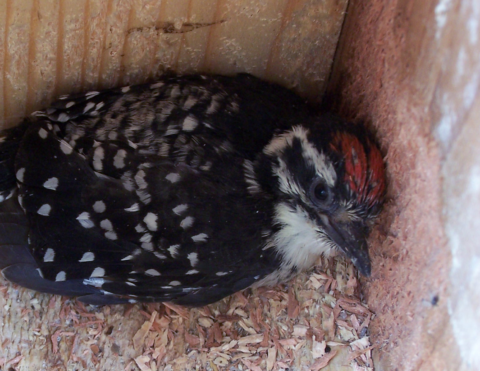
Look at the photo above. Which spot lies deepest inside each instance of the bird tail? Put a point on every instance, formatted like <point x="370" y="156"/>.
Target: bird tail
<point x="17" y="262"/>
<point x="10" y="140"/>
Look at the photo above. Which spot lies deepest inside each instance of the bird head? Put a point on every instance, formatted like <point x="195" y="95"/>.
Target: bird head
<point x="328" y="183"/>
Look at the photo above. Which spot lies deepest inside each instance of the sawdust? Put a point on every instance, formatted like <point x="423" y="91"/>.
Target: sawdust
<point x="315" y="322"/>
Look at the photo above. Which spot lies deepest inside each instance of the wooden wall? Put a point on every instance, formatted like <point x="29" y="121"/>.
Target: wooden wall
<point x="52" y="47"/>
<point x="412" y="70"/>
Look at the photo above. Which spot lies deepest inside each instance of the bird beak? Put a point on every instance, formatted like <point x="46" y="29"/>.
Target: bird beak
<point x="351" y="239"/>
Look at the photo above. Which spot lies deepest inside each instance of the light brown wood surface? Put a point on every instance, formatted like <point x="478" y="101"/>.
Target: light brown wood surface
<point x="51" y="47"/>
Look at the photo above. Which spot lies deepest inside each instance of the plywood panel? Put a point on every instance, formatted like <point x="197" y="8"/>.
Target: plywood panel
<point x="139" y="51"/>
<point x="202" y="15"/>
<point x="43" y="53"/>
<point x="15" y="68"/>
<point x="116" y="26"/>
<point x="95" y="34"/>
<point x="228" y="52"/>
<point x="71" y="45"/>
<point x="305" y="46"/>
<point x="56" y="47"/>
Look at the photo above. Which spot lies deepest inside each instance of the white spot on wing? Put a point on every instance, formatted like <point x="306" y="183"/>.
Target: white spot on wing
<point x="173" y="177"/>
<point x="159" y="255"/>
<point x="49" y="255"/>
<point x="156" y="85"/>
<point x="214" y="105"/>
<point x="44" y="210"/>
<point x="106" y="224"/>
<point x="43" y="133"/>
<point x="99" y="207"/>
<point x="192" y="271"/>
<point x="88" y="107"/>
<point x="190" y="102"/>
<point x="111" y="235"/>
<point x="84" y="220"/>
<point x="61" y="276"/>
<point x="127" y="181"/>
<point x="151" y="221"/>
<point x="128" y="257"/>
<point x="221" y="273"/>
<point x="147" y="237"/>
<point x="51" y="183"/>
<point x="119" y="159"/>
<point x="180" y="209"/>
<point x="91" y="94"/>
<point x="140" y="179"/>
<point x="65" y="147"/>
<point x="20" y="174"/>
<point x="125" y="89"/>
<point x="190" y="123"/>
<point x="174" y="250"/>
<point x="152" y="272"/>
<point x="175" y="283"/>
<point x="171" y="130"/>
<point x="87" y="257"/>
<point x="144" y="196"/>
<point x="94" y="281"/>
<point x="98" y="272"/>
<point x="63" y="117"/>
<point x="98" y="156"/>
<point x="187" y="222"/>
<point x="201" y="237"/>
<point x="164" y="149"/>
<point x="193" y="257"/>
<point x="133" y="208"/>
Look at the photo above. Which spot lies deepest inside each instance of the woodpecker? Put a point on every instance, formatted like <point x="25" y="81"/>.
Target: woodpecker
<point x="185" y="190"/>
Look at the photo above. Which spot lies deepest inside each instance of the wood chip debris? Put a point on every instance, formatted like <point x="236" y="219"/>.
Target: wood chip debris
<point x="299" y="326"/>
<point x="304" y="325"/>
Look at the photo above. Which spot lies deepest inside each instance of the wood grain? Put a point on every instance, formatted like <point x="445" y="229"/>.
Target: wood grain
<point x="51" y="47"/>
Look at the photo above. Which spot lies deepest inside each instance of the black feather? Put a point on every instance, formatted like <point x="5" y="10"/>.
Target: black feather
<point x="140" y="194"/>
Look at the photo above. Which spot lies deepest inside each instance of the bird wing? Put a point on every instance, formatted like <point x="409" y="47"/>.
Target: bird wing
<point x="149" y="230"/>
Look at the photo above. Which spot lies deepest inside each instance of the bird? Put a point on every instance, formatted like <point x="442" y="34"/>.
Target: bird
<point x="184" y="190"/>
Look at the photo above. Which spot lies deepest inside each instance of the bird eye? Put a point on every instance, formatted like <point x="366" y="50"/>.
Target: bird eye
<point x="320" y="193"/>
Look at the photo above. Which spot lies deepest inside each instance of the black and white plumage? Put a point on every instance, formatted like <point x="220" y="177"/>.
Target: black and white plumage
<point x="185" y="190"/>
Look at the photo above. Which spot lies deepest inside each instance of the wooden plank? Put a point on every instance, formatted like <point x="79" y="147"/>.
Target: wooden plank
<point x="43" y="58"/>
<point x="118" y="14"/>
<point x="95" y="33"/>
<point x="71" y="46"/>
<point x="201" y="18"/>
<point x="243" y="41"/>
<point x="303" y="51"/>
<point x="173" y="15"/>
<point x="140" y="42"/>
<point x="19" y="15"/>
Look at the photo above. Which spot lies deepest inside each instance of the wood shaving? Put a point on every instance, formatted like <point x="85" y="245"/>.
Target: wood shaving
<point x="315" y="321"/>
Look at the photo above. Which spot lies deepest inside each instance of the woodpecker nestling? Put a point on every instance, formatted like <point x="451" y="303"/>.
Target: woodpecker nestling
<point x="186" y="190"/>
